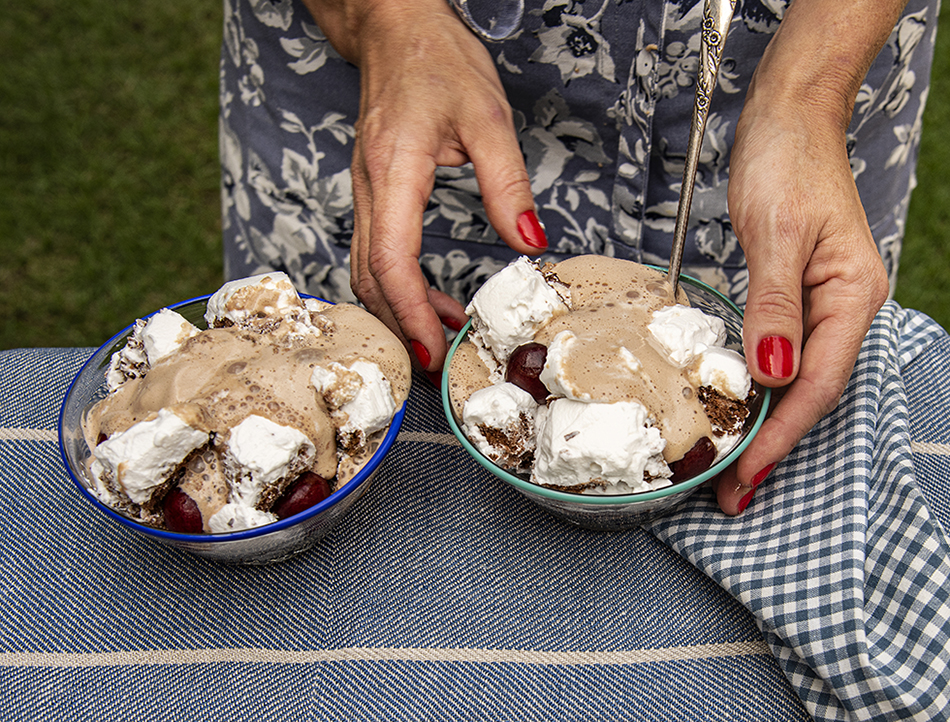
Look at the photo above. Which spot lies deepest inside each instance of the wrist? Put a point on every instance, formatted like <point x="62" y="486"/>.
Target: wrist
<point x="817" y="60"/>
<point x="348" y="24"/>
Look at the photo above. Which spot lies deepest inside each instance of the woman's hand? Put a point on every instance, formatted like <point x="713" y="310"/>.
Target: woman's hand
<point x="430" y="96"/>
<point x="816" y="279"/>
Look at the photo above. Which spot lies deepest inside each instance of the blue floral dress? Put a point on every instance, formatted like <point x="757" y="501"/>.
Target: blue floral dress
<point x="602" y="92"/>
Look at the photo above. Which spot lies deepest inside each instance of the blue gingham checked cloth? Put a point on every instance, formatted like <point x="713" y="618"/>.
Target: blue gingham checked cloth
<point x="444" y="595"/>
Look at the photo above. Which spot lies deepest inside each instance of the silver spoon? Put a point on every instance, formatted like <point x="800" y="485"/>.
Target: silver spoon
<point x="717" y="15"/>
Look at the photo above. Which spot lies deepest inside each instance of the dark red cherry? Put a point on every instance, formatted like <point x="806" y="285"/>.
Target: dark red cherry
<point x="308" y="489"/>
<point x="181" y="513"/>
<point x="524" y="368"/>
<point x="695" y="462"/>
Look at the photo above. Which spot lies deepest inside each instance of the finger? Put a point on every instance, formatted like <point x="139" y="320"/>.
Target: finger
<point x="450" y="311"/>
<point x="826" y="365"/>
<point x="400" y="190"/>
<point x="772" y="334"/>
<point x="504" y="182"/>
<point x="361" y="280"/>
<point x="794" y="415"/>
<point x="734" y="495"/>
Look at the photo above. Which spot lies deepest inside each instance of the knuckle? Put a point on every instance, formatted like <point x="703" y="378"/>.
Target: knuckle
<point x="365" y="289"/>
<point x="382" y="262"/>
<point x="782" y="225"/>
<point x="390" y="276"/>
<point x="514" y="180"/>
<point x="879" y="287"/>
<point x="776" y="303"/>
<point x="377" y="157"/>
<point x="826" y="393"/>
<point x="789" y="222"/>
<point x="498" y="111"/>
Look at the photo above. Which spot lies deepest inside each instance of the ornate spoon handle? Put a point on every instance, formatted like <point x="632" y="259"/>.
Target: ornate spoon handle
<point x="717" y="15"/>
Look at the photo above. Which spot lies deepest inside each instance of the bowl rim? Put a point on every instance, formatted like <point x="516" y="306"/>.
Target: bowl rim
<point x="336" y="497"/>
<point x="531" y="488"/>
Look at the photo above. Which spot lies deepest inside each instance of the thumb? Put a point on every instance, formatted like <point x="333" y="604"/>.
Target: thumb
<point x="772" y="327"/>
<point x="772" y="333"/>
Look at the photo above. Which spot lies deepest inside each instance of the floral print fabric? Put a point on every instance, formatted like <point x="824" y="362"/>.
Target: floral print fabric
<point x="602" y="93"/>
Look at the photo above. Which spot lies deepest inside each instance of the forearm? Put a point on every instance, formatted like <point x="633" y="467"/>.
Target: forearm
<point x="820" y="55"/>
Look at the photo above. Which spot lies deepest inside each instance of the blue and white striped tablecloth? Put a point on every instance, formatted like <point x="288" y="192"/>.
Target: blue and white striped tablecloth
<point x="447" y="596"/>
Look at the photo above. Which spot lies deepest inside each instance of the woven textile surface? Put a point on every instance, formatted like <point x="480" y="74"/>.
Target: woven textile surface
<point x="844" y="557"/>
<point x="445" y="595"/>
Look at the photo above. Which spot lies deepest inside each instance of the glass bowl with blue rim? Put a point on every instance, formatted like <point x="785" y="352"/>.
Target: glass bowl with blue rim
<point x="624" y="511"/>
<point x="267" y="544"/>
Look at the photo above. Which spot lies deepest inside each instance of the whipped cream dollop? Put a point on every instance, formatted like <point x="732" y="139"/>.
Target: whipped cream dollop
<point x="261" y="453"/>
<point x="724" y="370"/>
<point x="512" y="305"/>
<point x="359" y="397"/>
<point x="245" y="300"/>
<point x="500" y="421"/>
<point x="237" y="516"/>
<point x="267" y="302"/>
<point x="681" y="333"/>
<point x="139" y="460"/>
<point x="164" y="333"/>
<point x="596" y="446"/>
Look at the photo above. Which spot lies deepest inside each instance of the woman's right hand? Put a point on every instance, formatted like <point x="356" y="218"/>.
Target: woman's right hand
<point x="429" y="96"/>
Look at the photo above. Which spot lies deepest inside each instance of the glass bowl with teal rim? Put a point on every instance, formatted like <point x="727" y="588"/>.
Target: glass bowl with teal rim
<point x="267" y="544"/>
<point x="624" y="511"/>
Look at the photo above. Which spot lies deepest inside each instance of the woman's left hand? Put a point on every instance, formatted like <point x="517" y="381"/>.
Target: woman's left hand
<point x="816" y="279"/>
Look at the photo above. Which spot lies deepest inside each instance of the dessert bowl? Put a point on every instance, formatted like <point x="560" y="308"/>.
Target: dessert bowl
<point x="267" y="544"/>
<point x="611" y="512"/>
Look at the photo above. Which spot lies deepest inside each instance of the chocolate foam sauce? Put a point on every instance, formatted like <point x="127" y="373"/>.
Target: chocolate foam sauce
<point x="612" y="304"/>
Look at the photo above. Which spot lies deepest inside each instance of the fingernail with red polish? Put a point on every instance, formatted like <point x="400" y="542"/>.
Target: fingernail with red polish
<point x="531" y="230"/>
<point x="422" y="354"/>
<point x="775" y="356"/>
<point x="744" y="501"/>
<point x="452" y="323"/>
<point x="760" y="477"/>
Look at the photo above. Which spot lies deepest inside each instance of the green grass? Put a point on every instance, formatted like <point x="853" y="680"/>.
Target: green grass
<point x="109" y="170"/>
<point x="108" y="165"/>
<point x="924" y="277"/>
